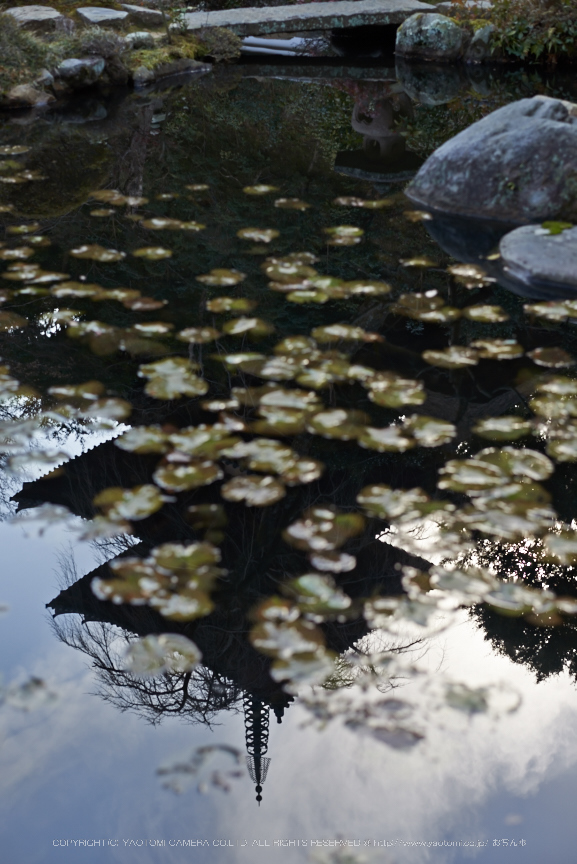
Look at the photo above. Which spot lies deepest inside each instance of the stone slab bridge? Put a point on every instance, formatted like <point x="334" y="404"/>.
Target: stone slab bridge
<point x="308" y="16"/>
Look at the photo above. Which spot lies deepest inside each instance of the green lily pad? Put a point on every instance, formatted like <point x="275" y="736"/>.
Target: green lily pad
<point x="181" y="478"/>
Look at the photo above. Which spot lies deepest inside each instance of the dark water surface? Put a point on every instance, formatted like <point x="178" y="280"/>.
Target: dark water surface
<point x="419" y="724"/>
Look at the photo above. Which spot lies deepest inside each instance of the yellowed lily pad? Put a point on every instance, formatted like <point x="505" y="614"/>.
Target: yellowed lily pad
<point x="453" y="357"/>
<point x="137" y="503"/>
<point x="256" y="328"/>
<point x="153" y="253"/>
<point x="323" y="529"/>
<point x="391" y="439"/>
<point x="253" y="490"/>
<point x="153" y="655"/>
<point x="554" y="358"/>
<point x="504" y="428"/>
<point x="258" y="235"/>
<point x="198" y="335"/>
<point x="94" y="252"/>
<point x="172" y="378"/>
<point x="260" y="189"/>
<point x="143" y="439"/>
<point x="498" y="349"/>
<point x="221" y="277"/>
<point x="485" y="314"/>
<point x="231" y="304"/>
<point x="181" y="478"/>
<point x="338" y="423"/>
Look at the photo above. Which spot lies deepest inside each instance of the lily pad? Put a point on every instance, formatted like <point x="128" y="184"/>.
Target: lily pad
<point x="485" y="314"/>
<point x="428" y="431"/>
<point x="153" y="253"/>
<point x="181" y="478"/>
<point x="172" y="378"/>
<point x="143" y="439"/>
<point x="453" y="357"/>
<point x="256" y="328"/>
<point x="260" y="189"/>
<point x="153" y="655"/>
<point x="94" y="252"/>
<point x="198" y="335"/>
<point x="231" y="304"/>
<point x="338" y="423"/>
<point x="291" y="204"/>
<point x="323" y="529"/>
<point x="498" y="349"/>
<point x="390" y="439"/>
<point x="258" y="235"/>
<point x="345" y="332"/>
<point x="254" y="490"/>
<point x="221" y="277"/>
<point x="505" y="428"/>
<point x="392" y="391"/>
<point x="137" y="503"/>
<point x="554" y="358"/>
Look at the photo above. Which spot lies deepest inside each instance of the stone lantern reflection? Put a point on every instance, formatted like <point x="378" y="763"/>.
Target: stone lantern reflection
<point x="384" y="155"/>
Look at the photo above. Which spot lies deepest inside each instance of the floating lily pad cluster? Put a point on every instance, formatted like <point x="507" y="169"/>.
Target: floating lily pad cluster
<point x="267" y="383"/>
<point x="175" y="580"/>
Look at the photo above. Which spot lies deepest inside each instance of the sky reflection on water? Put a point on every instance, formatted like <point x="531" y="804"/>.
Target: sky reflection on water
<point x="86" y="771"/>
<point x="79" y="769"/>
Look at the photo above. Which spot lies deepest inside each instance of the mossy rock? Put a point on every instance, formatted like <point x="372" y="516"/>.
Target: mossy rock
<point x="154" y="58"/>
<point x="22" y="55"/>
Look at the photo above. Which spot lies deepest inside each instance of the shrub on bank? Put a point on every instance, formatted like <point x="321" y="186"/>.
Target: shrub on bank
<point x="529" y="30"/>
<point x="22" y="55"/>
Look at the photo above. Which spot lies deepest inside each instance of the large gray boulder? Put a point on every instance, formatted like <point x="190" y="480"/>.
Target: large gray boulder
<point x="429" y="36"/>
<point x="40" y="19"/>
<point x="517" y="165"/>
<point x="80" y="73"/>
<point x="101" y="17"/>
<point x="141" y="15"/>
<point x="532" y="254"/>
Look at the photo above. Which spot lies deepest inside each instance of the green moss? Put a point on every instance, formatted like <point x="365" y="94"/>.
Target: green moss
<point x="478" y="24"/>
<point x="91" y="40"/>
<point x="151" y="58"/>
<point x="220" y="44"/>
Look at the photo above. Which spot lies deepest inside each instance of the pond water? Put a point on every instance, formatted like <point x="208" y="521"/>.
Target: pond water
<point x="270" y="453"/>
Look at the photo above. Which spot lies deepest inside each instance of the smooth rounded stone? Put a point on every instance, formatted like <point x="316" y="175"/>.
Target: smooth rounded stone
<point x="141" y="15"/>
<point x="38" y="18"/>
<point x="25" y="96"/>
<point x="79" y="73"/>
<point x="139" y="39"/>
<point x="428" y="84"/>
<point x="431" y="37"/>
<point x="482" y="47"/>
<point x="533" y="255"/>
<point x="45" y="80"/>
<point x="517" y="165"/>
<point x="142" y="77"/>
<point x="102" y="17"/>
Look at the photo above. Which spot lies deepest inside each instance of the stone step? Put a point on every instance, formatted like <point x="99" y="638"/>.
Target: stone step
<point x="308" y="16"/>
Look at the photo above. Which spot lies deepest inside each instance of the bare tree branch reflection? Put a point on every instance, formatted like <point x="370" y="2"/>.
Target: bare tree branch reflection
<point x="196" y="697"/>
